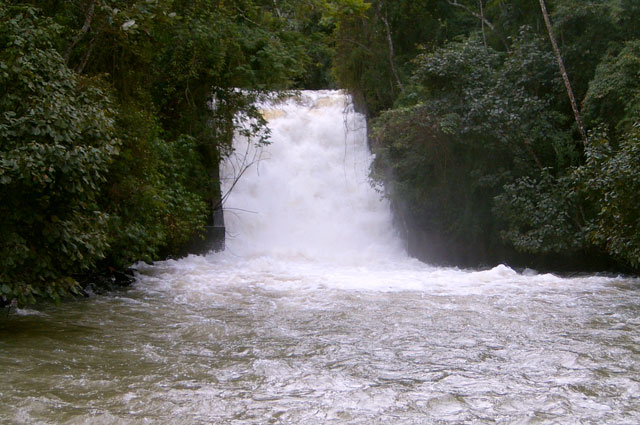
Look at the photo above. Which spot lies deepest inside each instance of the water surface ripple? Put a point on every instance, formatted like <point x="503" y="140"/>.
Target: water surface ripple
<point x="183" y="347"/>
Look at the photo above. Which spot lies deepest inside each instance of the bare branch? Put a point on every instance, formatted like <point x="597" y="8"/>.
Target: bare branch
<point x="240" y="166"/>
<point x="481" y="17"/>
<point x="88" y="18"/>
<point x="357" y="43"/>
<point x="87" y="55"/>
<point x="275" y="6"/>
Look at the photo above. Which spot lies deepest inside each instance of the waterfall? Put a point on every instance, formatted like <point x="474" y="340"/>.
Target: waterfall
<point x="315" y="315"/>
<point x="307" y="194"/>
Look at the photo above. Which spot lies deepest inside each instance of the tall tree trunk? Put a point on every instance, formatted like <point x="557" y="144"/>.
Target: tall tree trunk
<point x="391" y="50"/>
<point x="563" y="71"/>
<point x="88" y="17"/>
<point x="482" y="19"/>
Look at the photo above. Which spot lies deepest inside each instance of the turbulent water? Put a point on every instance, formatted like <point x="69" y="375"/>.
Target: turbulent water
<point x="315" y="315"/>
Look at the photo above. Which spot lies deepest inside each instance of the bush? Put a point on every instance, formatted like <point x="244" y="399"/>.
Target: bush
<point x="613" y="98"/>
<point x="150" y="196"/>
<point x="57" y="140"/>
<point x="610" y="179"/>
<point x="543" y="215"/>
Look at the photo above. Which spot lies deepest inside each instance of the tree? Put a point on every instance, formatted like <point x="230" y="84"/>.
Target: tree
<point x="474" y="120"/>
<point x="563" y="71"/>
<point x="613" y="98"/>
<point x="57" y="141"/>
<point x="610" y="181"/>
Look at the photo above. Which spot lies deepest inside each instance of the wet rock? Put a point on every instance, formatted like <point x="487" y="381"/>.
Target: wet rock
<point x="105" y="281"/>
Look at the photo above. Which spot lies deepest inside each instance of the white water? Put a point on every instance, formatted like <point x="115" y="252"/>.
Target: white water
<point x="308" y="194"/>
<point x="315" y="315"/>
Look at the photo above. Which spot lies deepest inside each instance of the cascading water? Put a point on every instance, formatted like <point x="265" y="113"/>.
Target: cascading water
<point x="314" y="315"/>
<point x="308" y="194"/>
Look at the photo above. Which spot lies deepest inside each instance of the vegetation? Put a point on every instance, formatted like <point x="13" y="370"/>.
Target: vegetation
<point x="476" y="136"/>
<point x="58" y="139"/>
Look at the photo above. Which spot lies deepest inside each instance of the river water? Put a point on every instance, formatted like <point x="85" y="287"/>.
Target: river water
<point x="315" y="315"/>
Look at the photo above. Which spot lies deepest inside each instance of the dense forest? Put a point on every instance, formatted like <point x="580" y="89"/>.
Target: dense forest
<point x="114" y="116"/>
<point x="494" y="144"/>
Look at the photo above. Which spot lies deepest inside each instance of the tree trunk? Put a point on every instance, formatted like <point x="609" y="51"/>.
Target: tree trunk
<point x="563" y="71"/>
<point x="482" y="19"/>
<point x="391" y="50"/>
<point x="88" y="17"/>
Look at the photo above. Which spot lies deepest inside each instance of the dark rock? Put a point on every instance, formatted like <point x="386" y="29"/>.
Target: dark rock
<point x="102" y="281"/>
<point x="212" y="239"/>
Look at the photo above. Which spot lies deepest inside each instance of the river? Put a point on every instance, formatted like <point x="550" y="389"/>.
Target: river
<point x="314" y="314"/>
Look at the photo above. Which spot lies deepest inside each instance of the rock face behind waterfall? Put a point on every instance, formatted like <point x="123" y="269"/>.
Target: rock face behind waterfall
<point x="307" y="194"/>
